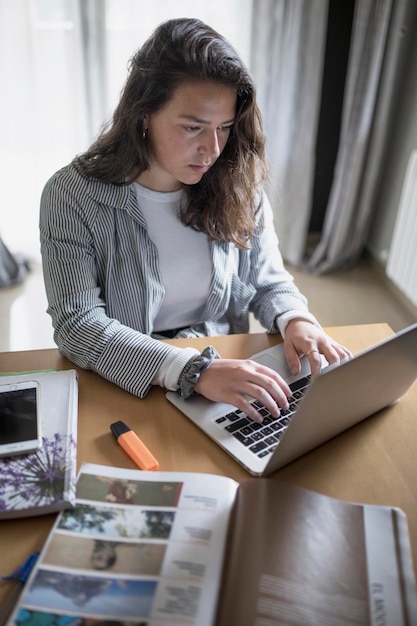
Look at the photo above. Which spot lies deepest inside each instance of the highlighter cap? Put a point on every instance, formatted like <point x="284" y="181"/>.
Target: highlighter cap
<point x="119" y="428"/>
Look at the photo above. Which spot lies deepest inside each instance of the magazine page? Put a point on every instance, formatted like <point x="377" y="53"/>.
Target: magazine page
<point x="315" y="560"/>
<point x="139" y="549"/>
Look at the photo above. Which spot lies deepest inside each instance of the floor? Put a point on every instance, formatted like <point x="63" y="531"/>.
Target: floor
<point x="360" y="295"/>
<point x="357" y="296"/>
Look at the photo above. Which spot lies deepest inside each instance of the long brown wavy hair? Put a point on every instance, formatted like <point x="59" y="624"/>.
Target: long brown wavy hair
<point x="224" y="203"/>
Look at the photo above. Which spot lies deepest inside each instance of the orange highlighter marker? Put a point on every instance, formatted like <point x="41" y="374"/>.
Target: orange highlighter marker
<point x="134" y="447"/>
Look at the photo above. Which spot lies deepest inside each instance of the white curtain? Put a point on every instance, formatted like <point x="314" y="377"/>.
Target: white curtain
<point x="370" y="91"/>
<point x="43" y="104"/>
<point x="288" y="47"/>
<point x="291" y="39"/>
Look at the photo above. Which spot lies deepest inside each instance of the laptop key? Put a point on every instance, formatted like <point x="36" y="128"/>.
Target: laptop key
<point x="235" y="415"/>
<point x="299" y="384"/>
<point x="257" y="447"/>
<point x="264" y="412"/>
<point x="246" y="441"/>
<point x="221" y="419"/>
<point x="231" y="428"/>
<point x="257" y="436"/>
<point x="263" y="453"/>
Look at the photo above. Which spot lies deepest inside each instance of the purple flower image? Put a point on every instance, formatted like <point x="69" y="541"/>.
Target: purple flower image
<point x="38" y="479"/>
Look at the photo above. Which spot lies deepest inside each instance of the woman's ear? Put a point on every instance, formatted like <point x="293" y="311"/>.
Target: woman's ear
<point x="145" y="125"/>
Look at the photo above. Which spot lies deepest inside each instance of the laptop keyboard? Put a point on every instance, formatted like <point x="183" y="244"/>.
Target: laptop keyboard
<point x="262" y="439"/>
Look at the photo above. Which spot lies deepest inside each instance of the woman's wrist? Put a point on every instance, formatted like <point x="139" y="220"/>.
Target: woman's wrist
<point x="170" y="369"/>
<point x="193" y="368"/>
<point x="284" y="319"/>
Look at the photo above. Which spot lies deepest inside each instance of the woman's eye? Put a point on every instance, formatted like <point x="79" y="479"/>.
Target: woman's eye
<point x="226" y="128"/>
<point x="192" y="129"/>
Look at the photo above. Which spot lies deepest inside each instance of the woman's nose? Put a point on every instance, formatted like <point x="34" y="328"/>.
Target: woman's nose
<point x="210" y="146"/>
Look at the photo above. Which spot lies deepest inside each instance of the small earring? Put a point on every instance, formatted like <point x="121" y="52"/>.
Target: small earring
<point x="144" y="133"/>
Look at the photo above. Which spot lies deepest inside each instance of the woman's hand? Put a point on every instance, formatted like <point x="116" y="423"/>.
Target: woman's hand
<point x="304" y="338"/>
<point x="237" y="382"/>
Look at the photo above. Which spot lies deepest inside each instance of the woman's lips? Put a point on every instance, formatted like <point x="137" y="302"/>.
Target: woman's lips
<point x="201" y="169"/>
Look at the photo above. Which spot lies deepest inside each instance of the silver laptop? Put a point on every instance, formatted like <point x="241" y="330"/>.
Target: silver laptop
<point x="341" y="396"/>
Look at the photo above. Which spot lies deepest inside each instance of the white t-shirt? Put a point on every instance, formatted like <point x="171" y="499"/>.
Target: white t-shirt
<point x="186" y="293"/>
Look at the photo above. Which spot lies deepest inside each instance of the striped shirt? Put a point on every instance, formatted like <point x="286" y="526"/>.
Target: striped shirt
<point x="105" y="290"/>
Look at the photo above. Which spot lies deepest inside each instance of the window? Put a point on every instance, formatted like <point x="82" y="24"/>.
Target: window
<point x="62" y="66"/>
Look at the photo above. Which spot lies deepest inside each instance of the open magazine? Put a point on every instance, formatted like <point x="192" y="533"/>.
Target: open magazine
<point x="158" y="548"/>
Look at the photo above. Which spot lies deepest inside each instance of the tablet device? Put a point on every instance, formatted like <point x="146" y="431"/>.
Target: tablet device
<point x="20" y="418"/>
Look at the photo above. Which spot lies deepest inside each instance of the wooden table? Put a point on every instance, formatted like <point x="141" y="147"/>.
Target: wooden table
<point x="375" y="462"/>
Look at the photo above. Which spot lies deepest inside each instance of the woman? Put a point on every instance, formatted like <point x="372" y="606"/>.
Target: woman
<point x="161" y="229"/>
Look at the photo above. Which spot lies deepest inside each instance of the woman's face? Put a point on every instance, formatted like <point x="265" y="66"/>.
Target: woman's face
<point x="188" y="134"/>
